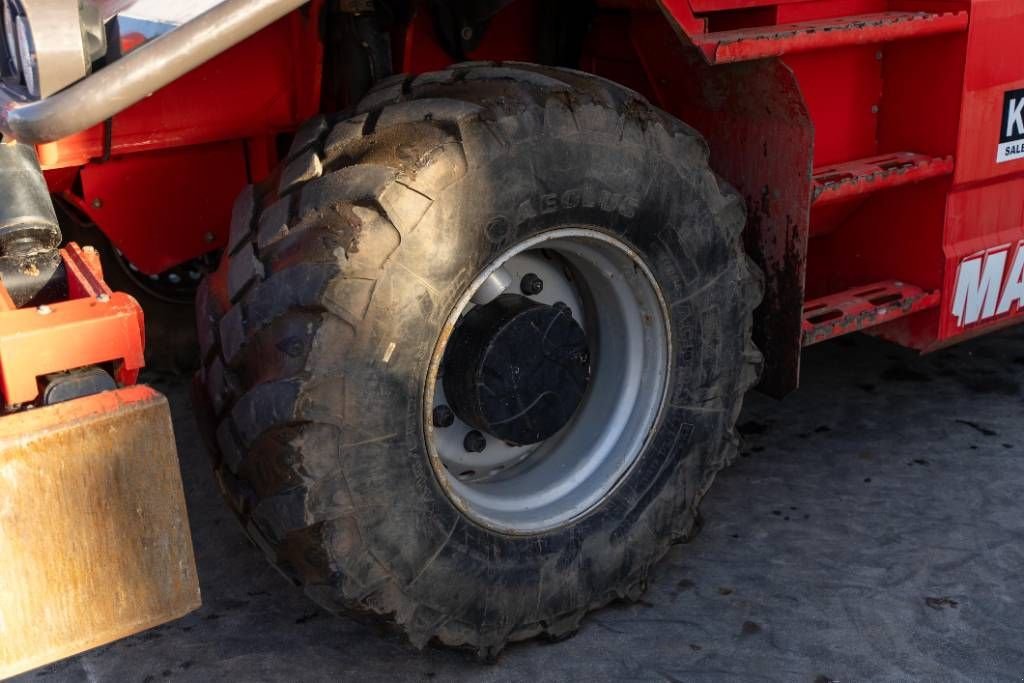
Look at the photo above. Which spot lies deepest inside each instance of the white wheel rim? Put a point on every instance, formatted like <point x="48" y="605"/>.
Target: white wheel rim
<point x="612" y="293"/>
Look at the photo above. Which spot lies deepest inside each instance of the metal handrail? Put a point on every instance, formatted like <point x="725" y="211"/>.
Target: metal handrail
<point x="138" y="74"/>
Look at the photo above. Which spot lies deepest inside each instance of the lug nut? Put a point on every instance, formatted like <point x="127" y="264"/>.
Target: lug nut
<point x="474" y="442"/>
<point x="443" y="416"/>
<point x="531" y="285"/>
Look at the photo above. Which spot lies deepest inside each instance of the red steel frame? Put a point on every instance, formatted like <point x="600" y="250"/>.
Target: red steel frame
<point x="93" y="326"/>
<point x="160" y="178"/>
<point x="861" y="132"/>
<point x="905" y="100"/>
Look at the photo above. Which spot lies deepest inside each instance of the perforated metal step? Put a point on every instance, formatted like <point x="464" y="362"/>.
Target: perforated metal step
<point x="863" y="176"/>
<point x="861" y="308"/>
<point x="773" y="41"/>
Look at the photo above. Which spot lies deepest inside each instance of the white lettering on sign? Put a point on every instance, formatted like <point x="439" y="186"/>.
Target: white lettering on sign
<point x="1015" y="117"/>
<point x="984" y="288"/>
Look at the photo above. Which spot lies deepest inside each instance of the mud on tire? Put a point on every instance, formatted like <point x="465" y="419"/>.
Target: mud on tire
<point x="317" y="329"/>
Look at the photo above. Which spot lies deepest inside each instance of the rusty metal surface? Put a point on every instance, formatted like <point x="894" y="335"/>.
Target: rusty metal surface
<point x="761" y="140"/>
<point x="777" y="40"/>
<point x="863" y="308"/>
<point x="863" y="176"/>
<point x="94" y="537"/>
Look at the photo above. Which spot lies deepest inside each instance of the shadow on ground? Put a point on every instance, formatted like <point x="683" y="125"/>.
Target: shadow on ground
<point x="871" y="529"/>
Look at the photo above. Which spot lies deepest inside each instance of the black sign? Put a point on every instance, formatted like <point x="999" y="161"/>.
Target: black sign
<point x="1011" y="129"/>
<point x="1013" y="116"/>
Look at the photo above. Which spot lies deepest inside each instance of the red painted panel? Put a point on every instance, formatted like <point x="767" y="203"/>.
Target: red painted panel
<point x="981" y="220"/>
<point x="985" y="210"/>
<point x="843" y="89"/>
<point x="163" y="208"/>
<point x="269" y="83"/>
<point x="995" y="65"/>
<point x="894" y="234"/>
<point x="921" y="114"/>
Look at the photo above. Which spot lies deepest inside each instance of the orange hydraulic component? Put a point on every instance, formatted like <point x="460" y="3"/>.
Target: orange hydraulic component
<point x="94" y="326"/>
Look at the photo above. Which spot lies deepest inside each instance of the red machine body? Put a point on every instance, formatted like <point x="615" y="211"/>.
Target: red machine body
<point x="879" y="145"/>
<point x="160" y="178"/>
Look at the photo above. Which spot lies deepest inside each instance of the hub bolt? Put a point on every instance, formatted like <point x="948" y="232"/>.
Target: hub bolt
<point x="474" y="442"/>
<point x="443" y="416"/>
<point x="531" y="285"/>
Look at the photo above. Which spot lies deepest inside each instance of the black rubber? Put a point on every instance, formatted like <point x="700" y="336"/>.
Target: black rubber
<point x="547" y="346"/>
<point x="317" y="329"/>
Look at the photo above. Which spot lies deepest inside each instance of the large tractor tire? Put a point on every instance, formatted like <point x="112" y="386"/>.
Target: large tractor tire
<point x="475" y="356"/>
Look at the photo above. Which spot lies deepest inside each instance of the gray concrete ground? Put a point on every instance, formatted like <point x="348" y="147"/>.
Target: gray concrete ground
<point x="872" y="530"/>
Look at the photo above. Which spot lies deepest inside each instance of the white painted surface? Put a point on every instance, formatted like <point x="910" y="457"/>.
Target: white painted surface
<point x="162" y="11"/>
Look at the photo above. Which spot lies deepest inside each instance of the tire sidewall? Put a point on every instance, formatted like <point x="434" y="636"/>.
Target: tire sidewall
<point x="660" y="211"/>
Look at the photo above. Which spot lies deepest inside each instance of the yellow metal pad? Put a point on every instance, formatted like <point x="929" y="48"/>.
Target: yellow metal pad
<point x="94" y="537"/>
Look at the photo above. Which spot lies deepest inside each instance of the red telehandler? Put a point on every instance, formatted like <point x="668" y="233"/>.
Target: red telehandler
<point x="478" y="285"/>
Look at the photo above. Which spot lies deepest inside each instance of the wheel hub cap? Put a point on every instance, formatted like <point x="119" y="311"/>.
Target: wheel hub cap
<point x="517" y="369"/>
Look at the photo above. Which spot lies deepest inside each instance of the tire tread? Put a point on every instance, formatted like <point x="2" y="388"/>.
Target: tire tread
<point x="291" y="265"/>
